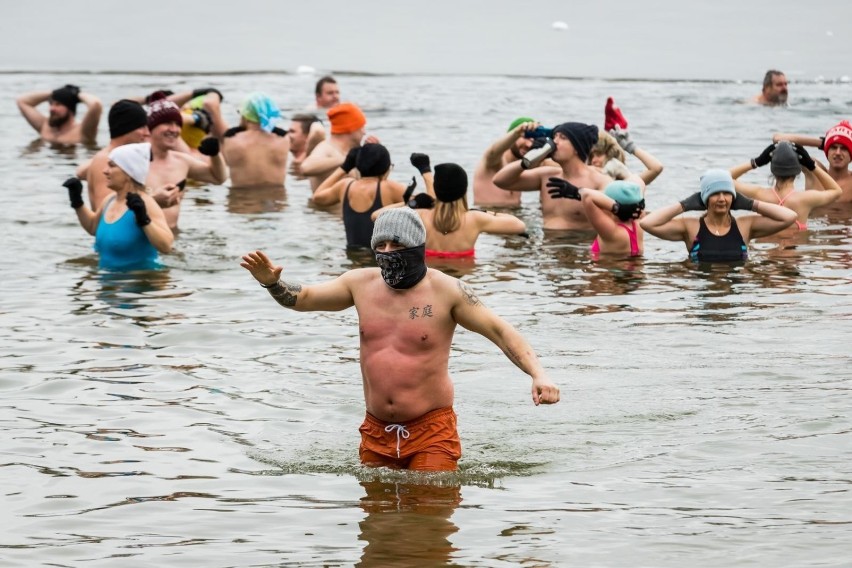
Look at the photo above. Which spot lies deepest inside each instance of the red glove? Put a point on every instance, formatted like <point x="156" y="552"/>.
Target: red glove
<point x="613" y="116"/>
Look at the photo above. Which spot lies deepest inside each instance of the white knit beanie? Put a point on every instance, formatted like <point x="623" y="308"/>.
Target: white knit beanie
<point x="134" y="160"/>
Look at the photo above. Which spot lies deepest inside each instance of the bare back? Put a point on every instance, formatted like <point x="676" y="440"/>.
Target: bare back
<point x="485" y="193"/>
<point x="256" y="158"/>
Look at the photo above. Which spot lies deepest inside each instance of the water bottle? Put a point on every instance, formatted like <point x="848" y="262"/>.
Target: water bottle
<point x="537" y="155"/>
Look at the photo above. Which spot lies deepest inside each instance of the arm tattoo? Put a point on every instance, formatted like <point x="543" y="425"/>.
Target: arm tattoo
<point x="285" y="294"/>
<point x="513" y="357"/>
<point x="469" y="295"/>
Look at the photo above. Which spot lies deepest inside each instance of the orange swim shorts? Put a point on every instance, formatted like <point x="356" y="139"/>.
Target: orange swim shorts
<point x="428" y="443"/>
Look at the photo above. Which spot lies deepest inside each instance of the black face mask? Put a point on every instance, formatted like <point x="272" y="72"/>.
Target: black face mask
<point x="402" y="269"/>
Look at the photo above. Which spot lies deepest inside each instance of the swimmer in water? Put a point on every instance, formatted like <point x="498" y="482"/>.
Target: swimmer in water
<point x="452" y="229"/>
<point x="61" y="125"/>
<point x="837" y="146"/>
<point x="786" y="161"/>
<point x="717" y="236"/>
<point x="130" y="229"/>
<point x="407" y="315"/>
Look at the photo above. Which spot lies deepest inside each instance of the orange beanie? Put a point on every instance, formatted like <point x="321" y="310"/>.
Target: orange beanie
<point x="346" y="118"/>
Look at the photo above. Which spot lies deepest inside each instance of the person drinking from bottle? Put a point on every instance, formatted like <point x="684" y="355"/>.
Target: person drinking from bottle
<point x="717" y="236"/>
<point x="569" y="149"/>
<point x="130" y="229"/>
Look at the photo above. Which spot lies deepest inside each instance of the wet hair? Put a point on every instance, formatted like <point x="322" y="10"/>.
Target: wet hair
<point x="323" y="81"/>
<point x="771" y="74"/>
<point x="305" y="121"/>
<point x="607" y="146"/>
<point x="448" y="215"/>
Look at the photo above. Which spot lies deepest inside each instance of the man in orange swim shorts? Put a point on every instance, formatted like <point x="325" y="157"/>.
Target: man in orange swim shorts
<point x="407" y="315"/>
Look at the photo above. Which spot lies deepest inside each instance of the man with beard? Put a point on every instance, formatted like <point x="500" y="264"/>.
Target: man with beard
<point x="507" y="149"/>
<point x="61" y="125"/>
<point x="170" y="167"/>
<point x="774" y="91"/>
<point x="407" y="316"/>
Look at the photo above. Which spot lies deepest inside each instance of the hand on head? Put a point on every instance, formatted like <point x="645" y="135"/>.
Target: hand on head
<point x="804" y="158"/>
<point x="693" y="203"/>
<point x="765" y="157"/>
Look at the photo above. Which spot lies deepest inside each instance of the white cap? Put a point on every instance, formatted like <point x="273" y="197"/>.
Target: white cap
<point x="134" y="160"/>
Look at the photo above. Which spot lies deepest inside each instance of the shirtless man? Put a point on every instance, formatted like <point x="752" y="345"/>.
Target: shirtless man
<point x="507" y="149"/>
<point x="774" y="89"/>
<point x="303" y="139"/>
<point x="347" y="130"/>
<point x="407" y="316"/>
<point x="327" y="93"/>
<point x="128" y="124"/>
<point x="61" y="124"/>
<point x="837" y="145"/>
<point x="256" y="151"/>
<point x="571" y="144"/>
<point x="170" y="167"/>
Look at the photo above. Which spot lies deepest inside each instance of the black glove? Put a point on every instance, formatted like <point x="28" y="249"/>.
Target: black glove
<point x="693" y="203"/>
<point x="821" y="143"/>
<point x="764" y="158"/>
<point x="804" y="158"/>
<point x="562" y="189"/>
<point x="627" y="211"/>
<point x="75" y="192"/>
<point x="202" y="119"/>
<point x="409" y="190"/>
<point x="421" y="162"/>
<point x="422" y="201"/>
<point x="209" y="146"/>
<point x="205" y="90"/>
<point x="742" y="202"/>
<point x="349" y="162"/>
<point x="137" y="205"/>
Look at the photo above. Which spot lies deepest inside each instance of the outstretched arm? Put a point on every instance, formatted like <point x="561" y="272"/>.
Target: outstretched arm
<point x="802" y="139"/>
<point x="471" y="314"/>
<point x="334" y="295"/>
<point x="27" y="105"/>
<point x="89" y="124"/>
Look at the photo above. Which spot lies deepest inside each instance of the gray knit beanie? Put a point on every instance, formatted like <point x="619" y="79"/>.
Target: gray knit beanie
<point x="400" y="225"/>
<point x="785" y="162"/>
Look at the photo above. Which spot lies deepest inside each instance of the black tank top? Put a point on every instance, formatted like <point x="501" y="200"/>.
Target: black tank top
<point x="708" y="247"/>
<point x="358" y="225"/>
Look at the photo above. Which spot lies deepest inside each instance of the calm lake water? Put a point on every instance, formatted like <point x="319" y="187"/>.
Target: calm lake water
<point x="182" y="418"/>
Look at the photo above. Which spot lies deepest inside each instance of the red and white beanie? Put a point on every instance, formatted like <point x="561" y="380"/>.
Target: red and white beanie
<point x="839" y="134"/>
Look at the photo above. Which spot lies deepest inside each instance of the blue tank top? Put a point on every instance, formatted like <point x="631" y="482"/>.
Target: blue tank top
<point x="358" y="225"/>
<point x="122" y="245"/>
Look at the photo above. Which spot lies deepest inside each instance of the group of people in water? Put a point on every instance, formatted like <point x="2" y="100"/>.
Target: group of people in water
<point x="408" y="311"/>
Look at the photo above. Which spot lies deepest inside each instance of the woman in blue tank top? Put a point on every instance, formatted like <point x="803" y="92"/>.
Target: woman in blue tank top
<point x="717" y="236"/>
<point x="130" y="229"/>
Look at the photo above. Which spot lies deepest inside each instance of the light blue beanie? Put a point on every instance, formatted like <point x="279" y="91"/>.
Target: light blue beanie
<point x="624" y="192"/>
<point x="715" y="181"/>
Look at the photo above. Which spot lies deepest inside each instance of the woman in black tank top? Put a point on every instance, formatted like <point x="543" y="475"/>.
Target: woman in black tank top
<point x="717" y="236"/>
<point x="373" y="163"/>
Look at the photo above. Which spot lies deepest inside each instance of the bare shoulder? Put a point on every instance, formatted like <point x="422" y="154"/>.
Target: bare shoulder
<point x="459" y="291"/>
<point x="599" y="179"/>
